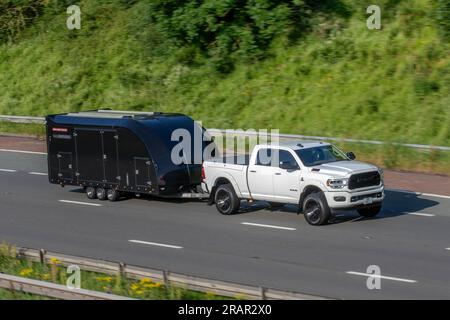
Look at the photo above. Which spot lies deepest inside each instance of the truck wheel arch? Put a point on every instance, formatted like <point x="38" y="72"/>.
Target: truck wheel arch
<point x="306" y="191"/>
<point x="218" y="182"/>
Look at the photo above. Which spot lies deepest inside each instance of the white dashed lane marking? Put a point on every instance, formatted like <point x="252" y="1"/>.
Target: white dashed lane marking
<point x="81" y="203"/>
<point x="156" y="244"/>
<point x="380" y="276"/>
<point x="37" y="173"/>
<point x="267" y="226"/>
<point x="420" y="214"/>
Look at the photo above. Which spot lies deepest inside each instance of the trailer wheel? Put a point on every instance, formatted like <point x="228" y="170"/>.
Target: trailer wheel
<point x="316" y="210"/>
<point x="113" y="195"/>
<point x="101" y="194"/>
<point x="226" y="199"/>
<point x="91" y="193"/>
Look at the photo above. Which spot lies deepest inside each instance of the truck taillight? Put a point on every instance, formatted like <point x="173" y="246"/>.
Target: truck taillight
<point x="203" y="174"/>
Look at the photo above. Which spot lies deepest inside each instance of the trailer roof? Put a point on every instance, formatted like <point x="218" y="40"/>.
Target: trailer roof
<point x="113" y="114"/>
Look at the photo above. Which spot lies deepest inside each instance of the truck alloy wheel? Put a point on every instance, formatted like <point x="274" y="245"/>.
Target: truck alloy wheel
<point x="315" y="209"/>
<point x="226" y="200"/>
<point x="91" y="193"/>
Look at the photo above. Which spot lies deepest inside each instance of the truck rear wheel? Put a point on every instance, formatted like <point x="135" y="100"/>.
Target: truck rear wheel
<point x="226" y="199"/>
<point x="112" y="195"/>
<point x="315" y="209"/>
<point x="91" y="193"/>
<point x="370" y="212"/>
<point x="101" y="194"/>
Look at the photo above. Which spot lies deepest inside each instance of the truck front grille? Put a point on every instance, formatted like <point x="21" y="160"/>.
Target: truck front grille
<point x="364" y="180"/>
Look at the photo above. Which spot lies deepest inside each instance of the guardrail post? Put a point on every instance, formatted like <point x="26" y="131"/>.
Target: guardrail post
<point x="166" y="278"/>
<point x="122" y="269"/>
<point x="262" y="292"/>
<point x="11" y="287"/>
<point x="42" y="254"/>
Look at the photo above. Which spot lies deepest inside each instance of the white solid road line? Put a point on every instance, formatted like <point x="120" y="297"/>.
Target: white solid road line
<point x="22" y="151"/>
<point x="356" y="219"/>
<point x="37" y="173"/>
<point x="420" y="193"/>
<point x="379" y="276"/>
<point x="7" y="170"/>
<point x="421" y="214"/>
<point x="434" y="195"/>
<point x="156" y="244"/>
<point x="83" y="203"/>
<point x="267" y="226"/>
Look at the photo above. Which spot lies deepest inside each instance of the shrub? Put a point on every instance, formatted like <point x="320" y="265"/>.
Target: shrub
<point x="15" y="15"/>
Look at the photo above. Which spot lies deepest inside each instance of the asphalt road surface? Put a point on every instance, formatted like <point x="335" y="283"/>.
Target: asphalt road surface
<point x="409" y="241"/>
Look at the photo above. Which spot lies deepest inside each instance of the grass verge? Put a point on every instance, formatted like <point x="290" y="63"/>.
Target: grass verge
<point x="54" y="272"/>
<point x="14" y="295"/>
<point x="34" y="129"/>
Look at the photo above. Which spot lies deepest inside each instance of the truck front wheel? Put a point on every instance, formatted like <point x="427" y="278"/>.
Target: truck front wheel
<point x="226" y="199"/>
<point x="369" y="212"/>
<point x="315" y="209"/>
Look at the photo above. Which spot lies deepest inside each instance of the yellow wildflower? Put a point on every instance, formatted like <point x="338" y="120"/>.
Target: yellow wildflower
<point x="26" y="272"/>
<point x="146" y="280"/>
<point x="104" y="279"/>
<point x="55" y="261"/>
<point x="135" y="286"/>
<point x="152" y="285"/>
<point x="46" y="276"/>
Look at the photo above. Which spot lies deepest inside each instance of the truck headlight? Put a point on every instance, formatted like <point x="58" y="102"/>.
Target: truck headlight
<point x="381" y="172"/>
<point x="337" y="183"/>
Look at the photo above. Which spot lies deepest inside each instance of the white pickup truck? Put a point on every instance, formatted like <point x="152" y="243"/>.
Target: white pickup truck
<point x="317" y="176"/>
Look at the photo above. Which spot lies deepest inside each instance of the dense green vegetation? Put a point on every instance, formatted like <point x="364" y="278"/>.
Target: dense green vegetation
<point x="303" y="66"/>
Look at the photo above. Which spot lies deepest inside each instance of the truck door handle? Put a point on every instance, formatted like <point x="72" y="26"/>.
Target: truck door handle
<point x="277" y="174"/>
<point x="254" y="171"/>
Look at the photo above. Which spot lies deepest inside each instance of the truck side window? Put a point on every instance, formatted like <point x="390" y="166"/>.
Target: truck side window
<point x="264" y="157"/>
<point x="286" y="157"/>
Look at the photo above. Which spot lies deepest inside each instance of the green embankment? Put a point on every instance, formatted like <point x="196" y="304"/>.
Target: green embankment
<point x="333" y="78"/>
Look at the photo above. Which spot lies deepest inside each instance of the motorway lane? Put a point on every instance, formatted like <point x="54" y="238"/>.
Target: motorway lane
<point x="310" y="259"/>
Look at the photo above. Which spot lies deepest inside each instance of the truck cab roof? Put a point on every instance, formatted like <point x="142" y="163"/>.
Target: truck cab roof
<point x="297" y="144"/>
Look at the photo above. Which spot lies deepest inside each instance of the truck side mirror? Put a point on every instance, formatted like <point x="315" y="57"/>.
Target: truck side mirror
<point x="351" y="155"/>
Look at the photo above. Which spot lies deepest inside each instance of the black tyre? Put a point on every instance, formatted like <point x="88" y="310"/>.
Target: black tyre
<point x="370" y="212"/>
<point x="112" y="195"/>
<point x="101" y="194"/>
<point x="91" y="193"/>
<point x="226" y="200"/>
<point x="315" y="209"/>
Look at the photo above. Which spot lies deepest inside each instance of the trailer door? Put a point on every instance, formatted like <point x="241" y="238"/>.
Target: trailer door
<point x="142" y="172"/>
<point x="89" y="153"/>
<point x="110" y="156"/>
<point x="65" y="167"/>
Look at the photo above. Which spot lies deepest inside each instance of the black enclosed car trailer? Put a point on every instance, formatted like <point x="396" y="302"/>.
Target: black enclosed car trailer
<point x="113" y="153"/>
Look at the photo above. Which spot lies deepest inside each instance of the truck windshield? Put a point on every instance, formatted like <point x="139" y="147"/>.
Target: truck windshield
<point x="320" y="155"/>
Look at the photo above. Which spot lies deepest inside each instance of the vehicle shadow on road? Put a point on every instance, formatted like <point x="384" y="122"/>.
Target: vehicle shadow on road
<point x="395" y="204"/>
<point x="147" y="197"/>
